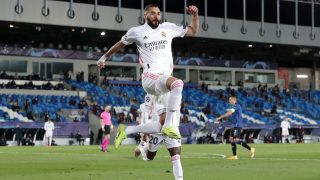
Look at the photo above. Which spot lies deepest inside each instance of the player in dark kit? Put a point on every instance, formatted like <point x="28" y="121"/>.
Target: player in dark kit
<point x="235" y="112"/>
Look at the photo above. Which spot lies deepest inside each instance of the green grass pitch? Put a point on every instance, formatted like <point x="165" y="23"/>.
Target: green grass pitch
<point x="200" y="162"/>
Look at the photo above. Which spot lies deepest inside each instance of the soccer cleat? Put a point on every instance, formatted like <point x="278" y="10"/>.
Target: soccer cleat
<point x="233" y="158"/>
<point x="171" y="132"/>
<point x="252" y="151"/>
<point x="120" y="136"/>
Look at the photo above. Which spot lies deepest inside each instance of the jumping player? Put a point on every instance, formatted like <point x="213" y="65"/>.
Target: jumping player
<point x="153" y="40"/>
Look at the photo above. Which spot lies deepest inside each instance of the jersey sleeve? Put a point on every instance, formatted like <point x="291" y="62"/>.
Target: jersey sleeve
<point x="148" y="100"/>
<point x="129" y="37"/>
<point x="232" y="109"/>
<point x="177" y="30"/>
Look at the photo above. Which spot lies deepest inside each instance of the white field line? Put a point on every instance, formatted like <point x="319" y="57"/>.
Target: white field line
<point x="187" y="155"/>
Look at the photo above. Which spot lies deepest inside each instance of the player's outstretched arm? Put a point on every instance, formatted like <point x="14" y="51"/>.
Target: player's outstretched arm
<point x="193" y="28"/>
<point x="115" y="48"/>
<point x="227" y="114"/>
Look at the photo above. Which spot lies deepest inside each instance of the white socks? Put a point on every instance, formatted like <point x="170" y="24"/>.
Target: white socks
<point x="177" y="168"/>
<point x="284" y="139"/>
<point x="150" y="127"/>
<point x="174" y="102"/>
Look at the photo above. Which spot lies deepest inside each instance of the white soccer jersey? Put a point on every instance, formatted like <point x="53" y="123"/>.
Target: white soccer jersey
<point x="146" y="109"/>
<point x="285" y="125"/>
<point x="49" y="127"/>
<point x="145" y="113"/>
<point x="154" y="45"/>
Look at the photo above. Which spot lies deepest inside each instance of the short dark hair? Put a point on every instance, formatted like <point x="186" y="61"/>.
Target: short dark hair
<point x="150" y="6"/>
<point x="233" y="96"/>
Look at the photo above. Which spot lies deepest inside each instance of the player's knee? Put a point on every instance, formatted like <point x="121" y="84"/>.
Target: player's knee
<point x="175" y="157"/>
<point x="177" y="86"/>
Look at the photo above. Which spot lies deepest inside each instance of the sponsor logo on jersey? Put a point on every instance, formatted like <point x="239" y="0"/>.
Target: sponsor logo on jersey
<point x="163" y="34"/>
<point x="156" y="45"/>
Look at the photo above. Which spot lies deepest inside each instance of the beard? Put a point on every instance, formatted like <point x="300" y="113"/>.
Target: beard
<point x="153" y="24"/>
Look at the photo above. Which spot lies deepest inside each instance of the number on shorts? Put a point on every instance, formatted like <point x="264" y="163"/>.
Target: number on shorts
<point x="153" y="140"/>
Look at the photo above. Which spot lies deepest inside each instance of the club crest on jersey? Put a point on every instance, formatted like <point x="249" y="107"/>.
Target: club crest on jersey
<point x="163" y="34"/>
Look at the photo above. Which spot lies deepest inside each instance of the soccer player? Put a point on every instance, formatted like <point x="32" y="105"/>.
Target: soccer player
<point x="235" y="112"/>
<point x="48" y="127"/>
<point x="285" y="126"/>
<point x="106" y="126"/>
<point x="145" y="116"/>
<point x="149" y="110"/>
<point x="146" y="126"/>
<point x="151" y="143"/>
<point x="153" y="40"/>
<point x="149" y="150"/>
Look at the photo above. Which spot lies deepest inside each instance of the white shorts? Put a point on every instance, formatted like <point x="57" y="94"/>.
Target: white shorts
<point x="48" y="134"/>
<point x="154" y="84"/>
<point x="155" y="141"/>
<point x="285" y="132"/>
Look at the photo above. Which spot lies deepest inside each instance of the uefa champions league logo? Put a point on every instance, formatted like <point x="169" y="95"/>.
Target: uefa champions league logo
<point x="148" y="99"/>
